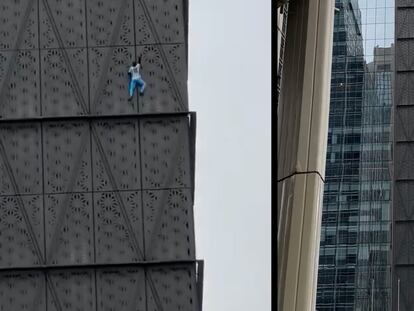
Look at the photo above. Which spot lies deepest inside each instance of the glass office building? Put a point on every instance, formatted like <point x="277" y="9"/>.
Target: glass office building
<point x="354" y="263"/>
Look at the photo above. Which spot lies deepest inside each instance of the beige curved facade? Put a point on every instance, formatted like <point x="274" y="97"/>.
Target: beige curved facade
<point x="303" y="111"/>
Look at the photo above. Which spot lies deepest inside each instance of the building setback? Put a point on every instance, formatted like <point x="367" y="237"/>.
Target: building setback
<point x="96" y="192"/>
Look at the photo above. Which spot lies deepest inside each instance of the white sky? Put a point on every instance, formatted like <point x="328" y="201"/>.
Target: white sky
<point x="230" y="89"/>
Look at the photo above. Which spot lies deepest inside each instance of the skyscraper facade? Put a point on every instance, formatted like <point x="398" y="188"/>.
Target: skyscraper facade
<point x="354" y="263"/>
<point x="96" y="192"/>
<point x="403" y="188"/>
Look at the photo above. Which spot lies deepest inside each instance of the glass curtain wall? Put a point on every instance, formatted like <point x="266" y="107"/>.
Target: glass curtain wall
<point x="354" y="262"/>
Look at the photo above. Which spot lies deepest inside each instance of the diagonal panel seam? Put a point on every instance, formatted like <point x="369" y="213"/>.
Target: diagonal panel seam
<point x="21" y="203"/>
<point x="66" y="199"/>
<point x="66" y="58"/>
<point x="154" y="291"/>
<point x="18" y="42"/>
<point x="99" y="90"/>
<point x="116" y="192"/>
<point x="97" y="141"/>
<point x="8" y="167"/>
<point x="53" y="291"/>
<point x="135" y="298"/>
<point x="403" y="123"/>
<point x="57" y="232"/>
<point x="162" y="52"/>
<point x="157" y="222"/>
<point x="92" y="126"/>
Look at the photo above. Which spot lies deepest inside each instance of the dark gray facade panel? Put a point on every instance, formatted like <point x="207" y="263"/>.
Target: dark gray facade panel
<point x="121" y="289"/>
<point x="404" y="3"/>
<point x="64" y="82"/>
<point x="404" y="23"/>
<point x="167" y="281"/>
<point x="17" y="247"/>
<point x="96" y="200"/>
<point x="168" y="215"/>
<point x="404" y="93"/>
<point x="23" y="291"/>
<point x="160" y="21"/>
<point x="66" y="167"/>
<point x="82" y="203"/>
<point x="65" y="79"/>
<point x="406" y="276"/>
<point x="404" y="168"/>
<point x="108" y="81"/>
<point x="166" y="164"/>
<point x="165" y="71"/>
<point x="402" y="117"/>
<point x="108" y="17"/>
<point x="404" y="60"/>
<point x="404" y="201"/>
<point x="62" y="23"/>
<point x="113" y="244"/>
<point x="69" y="228"/>
<point x="403" y="247"/>
<point x="103" y="289"/>
<point x="86" y="48"/>
<point x="403" y="207"/>
<point x="83" y="199"/>
<point x="20" y="83"/>
<point x="21" y="151"/>
<point x="77" y="23"/>
<point x="19" y="25"/>
<point x="115" y="144"/>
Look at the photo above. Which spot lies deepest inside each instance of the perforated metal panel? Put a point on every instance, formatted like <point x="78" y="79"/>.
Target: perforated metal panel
<point x="60" y="58"/>
<point x="96" y="192"/>
<point x="111" y="289"/>
<point x="85" y="192"/>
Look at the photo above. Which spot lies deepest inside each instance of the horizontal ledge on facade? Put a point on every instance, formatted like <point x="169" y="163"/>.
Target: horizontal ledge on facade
<point x="403" y="265"/>
<point x="404" y="106"/>
<point x="403" y="39"/>
<point x="400" y="142"/>
<point x="26" y="194"/>
<point x="400" y="221"/>
<point x="137" y="264"/>
<point x="2" y="50"/>
<point x="403" y="180"/>
<point x="90" y="117"/>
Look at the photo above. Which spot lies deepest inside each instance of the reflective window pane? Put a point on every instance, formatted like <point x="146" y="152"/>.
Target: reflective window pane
<point x="355" y="240"/>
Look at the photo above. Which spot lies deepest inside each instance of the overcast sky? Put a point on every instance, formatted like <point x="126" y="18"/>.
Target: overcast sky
<point x="230" y="89"/>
